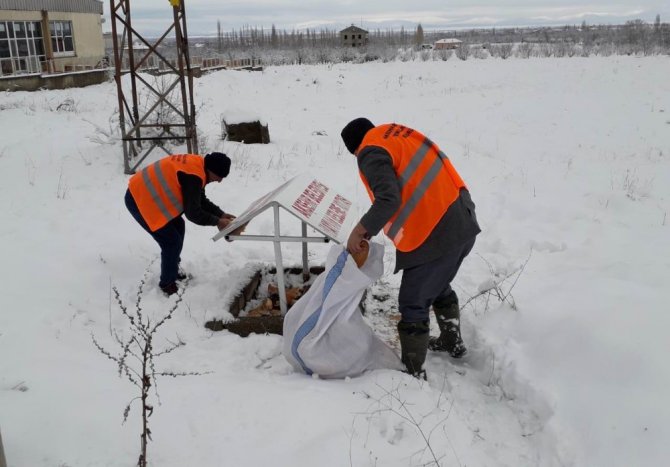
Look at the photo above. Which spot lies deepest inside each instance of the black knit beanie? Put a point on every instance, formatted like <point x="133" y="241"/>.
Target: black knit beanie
<point x="218" y="163"/>
<point x="354" y="132"/>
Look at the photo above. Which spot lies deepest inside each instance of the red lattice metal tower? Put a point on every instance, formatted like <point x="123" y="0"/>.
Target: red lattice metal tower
<point x="156" y="106"/>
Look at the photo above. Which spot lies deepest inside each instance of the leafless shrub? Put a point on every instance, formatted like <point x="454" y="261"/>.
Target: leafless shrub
<point x="324" y="55"/>
<point x="278" y="162"/>
<point x="503" y="51"/>
<point x="480" y="53"/>
<point x="12" y="105"/>
<point x="463" y="52"/>
<point x="61" y="190"/>
<point x="603" y="50"/>
<point x="278" y="48"/>
<point x="634" y="188"/>
<point x="498" y="286"/>
<point x="203" y="143"/>
<point x="407" y="55"/>
<point x="31" y="169"/>
<point x="243" y="163"/>
<point x="545" y="50"/>
<point x="136" y="360"/>
<point x="564" y="49"/>
<point x="68" y="105"/>
<point x="525" y="50"/>
<point x="391" y="401"/>
<point x="444" y="54"/>
<point x="346" y="55"/>
<point x="110" y="135"/>
<point x="571" y="50"/>
<point x="300" y="56"/>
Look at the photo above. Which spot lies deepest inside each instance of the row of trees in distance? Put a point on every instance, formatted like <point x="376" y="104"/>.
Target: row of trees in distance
<point x="277" y="47"/>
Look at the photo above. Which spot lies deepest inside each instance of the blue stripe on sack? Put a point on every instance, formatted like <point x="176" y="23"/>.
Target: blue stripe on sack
<point x="308" y="325"/>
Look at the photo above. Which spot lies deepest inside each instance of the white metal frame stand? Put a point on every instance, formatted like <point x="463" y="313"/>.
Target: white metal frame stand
<point x="277" y="239"/>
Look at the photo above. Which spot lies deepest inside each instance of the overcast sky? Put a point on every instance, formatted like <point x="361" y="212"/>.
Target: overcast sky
<point x="153" y="16"/>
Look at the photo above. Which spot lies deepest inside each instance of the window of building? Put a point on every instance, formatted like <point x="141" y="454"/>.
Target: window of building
<point x="345" y="37"/>
<point x="62" y="43"/>
<point x="21" y="47"/>
<point x="359" y="36"/>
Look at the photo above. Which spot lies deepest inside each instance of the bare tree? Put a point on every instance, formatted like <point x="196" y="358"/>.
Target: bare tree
<point x="525" y="50"/>
<point x="463" y="52"/>
<point x="503" y="51"/>
<point x="418" y="38"/>
<point x="136" y="360"/>
<point x="219" y="37"/>
<point x="278" y="47"/>
<point x="444" y="54"/>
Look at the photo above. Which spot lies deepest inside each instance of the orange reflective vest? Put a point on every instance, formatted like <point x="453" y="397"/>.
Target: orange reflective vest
<point x="429" y="184"/>
<point x="156" y="189"/>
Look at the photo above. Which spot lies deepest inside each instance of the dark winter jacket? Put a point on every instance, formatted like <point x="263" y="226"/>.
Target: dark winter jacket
<point x="458" y="224"/>
<point x="197" y="208"/>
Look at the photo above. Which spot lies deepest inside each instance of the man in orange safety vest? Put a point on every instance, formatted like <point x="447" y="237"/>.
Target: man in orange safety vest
<point x="159" y="194"/>
<point x="421" y="203"/>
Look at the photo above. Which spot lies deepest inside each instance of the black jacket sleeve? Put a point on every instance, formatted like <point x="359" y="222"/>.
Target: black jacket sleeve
<point x="376" y="166"/>
<point x="197" y="208"/>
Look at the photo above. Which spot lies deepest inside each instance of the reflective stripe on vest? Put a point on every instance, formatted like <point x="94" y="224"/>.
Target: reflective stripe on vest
<point x="176" y="203"/>
<point x="408" y="207"/>
<point x="428" y="186"/>
<point x="156" y="188"/>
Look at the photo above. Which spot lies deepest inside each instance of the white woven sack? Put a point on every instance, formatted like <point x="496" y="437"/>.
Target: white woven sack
<point x="324" y="331"/>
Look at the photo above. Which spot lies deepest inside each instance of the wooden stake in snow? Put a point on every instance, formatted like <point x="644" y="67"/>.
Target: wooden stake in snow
<point x="3" y="461"/>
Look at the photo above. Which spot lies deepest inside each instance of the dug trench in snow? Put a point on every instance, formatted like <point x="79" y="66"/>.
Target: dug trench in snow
<point x="256" y="306"/>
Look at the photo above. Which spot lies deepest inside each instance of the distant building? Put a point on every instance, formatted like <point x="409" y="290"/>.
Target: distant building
<point x="353" y="36"/>
<point x="447" y="44"/>
<point x="50" y="36"/>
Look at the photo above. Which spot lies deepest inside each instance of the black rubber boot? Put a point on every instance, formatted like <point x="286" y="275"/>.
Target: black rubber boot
<point x="170" y="289"/>
<point x="448" y="317"/>
<point x="414" y="346"/>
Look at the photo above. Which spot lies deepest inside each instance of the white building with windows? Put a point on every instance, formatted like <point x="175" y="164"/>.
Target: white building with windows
<point x="50" y="36"/>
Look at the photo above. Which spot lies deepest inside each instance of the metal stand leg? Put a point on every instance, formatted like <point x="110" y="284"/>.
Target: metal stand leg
<point x="305" y="263"/>
<point x="280" y="264"/>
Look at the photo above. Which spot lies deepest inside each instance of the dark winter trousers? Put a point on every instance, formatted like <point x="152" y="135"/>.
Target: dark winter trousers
<point x="169" y="237"/>
<point x="430" y="283"/>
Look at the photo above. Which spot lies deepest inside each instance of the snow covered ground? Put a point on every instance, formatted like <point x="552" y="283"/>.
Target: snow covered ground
<point x="568" y="161"/>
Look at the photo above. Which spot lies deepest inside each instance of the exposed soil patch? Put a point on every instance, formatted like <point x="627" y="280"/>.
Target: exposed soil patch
<point x="256" y="306"/>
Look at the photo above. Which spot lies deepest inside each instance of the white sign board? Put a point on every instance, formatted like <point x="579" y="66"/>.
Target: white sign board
<point x="310" y="200"/>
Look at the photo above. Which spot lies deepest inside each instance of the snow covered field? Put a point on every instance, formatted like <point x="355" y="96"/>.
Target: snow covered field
<point x="568" y="161"/>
